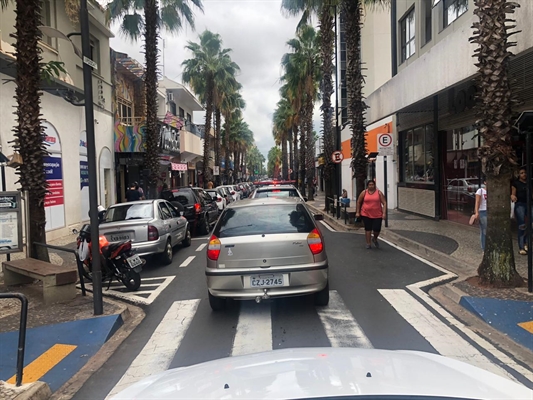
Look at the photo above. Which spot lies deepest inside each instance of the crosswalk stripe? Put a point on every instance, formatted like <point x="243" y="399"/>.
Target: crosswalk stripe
<point x="201" y="247"/>
<point x="340" y="326"/>
<point x="443" y="339"/>
<point x="158" y="353"/>
<point x="187" y="261"/>
<point x="254" y="329"/>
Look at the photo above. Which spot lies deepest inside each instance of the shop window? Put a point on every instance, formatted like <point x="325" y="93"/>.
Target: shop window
<point x="407" y="35"/>
<point x="453" y="9"/>
<point x="418" y="154"/>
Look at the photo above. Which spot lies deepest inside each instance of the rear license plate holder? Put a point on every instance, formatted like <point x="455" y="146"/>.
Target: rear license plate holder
<point x="134" y="261"/>
<point x="267" y="281"/>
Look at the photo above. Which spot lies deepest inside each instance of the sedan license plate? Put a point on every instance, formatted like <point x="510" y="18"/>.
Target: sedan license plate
<point x="134" y="261"/>
<point x="120" y="237"/>
<point x="262" y="281"/>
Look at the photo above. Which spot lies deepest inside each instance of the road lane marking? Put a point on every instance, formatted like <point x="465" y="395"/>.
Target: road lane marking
<point x="327" y="226"/>
<point x="44" y="363"/>
<point x="201" y="238"/>
<point x="340" y="326"/>
<point x="162" y="346"/>
<point x="187" y="261"/>
<point x="201" y="247"/>
<point x="528" y="326"/>
<point x="254" y="329"/>
<point x="444" y="339"/>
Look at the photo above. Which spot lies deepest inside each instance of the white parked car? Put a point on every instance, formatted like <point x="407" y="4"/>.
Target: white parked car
<point x="216" y="195"/>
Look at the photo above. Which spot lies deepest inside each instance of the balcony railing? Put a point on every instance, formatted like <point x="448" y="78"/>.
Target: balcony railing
<point x="132" y="121"/>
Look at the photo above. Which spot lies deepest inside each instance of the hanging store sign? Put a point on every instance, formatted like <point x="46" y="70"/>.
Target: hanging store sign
<point x="179" y="167"/>
<point x="170" y="139"/>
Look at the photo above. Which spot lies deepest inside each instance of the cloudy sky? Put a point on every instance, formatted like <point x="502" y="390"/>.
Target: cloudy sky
<point x="257" y="33"/>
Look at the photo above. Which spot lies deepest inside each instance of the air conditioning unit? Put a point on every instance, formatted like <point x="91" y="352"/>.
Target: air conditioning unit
<point x="170" y="96"/>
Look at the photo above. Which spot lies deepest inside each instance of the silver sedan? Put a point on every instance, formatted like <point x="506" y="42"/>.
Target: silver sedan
<point x="266" y="248"/>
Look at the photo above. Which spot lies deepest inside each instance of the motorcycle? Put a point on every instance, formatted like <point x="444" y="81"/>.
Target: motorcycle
<point x="118" y="260"/>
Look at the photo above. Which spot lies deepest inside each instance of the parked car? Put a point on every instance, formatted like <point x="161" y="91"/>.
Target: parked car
<point x="226" y="192"/>
<point x="199" y="208"/>
<point x="153" y="226"/>
<point x="461" y="193"/>
<point x="266" y="248"/>
<point x="233" y="192"/>
<point x="219" y="196"/>
<point x="276" y="191"/>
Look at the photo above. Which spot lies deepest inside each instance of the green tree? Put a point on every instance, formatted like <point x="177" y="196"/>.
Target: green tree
<point x="274" y="161"/>
<point x="281" y="128"/>
<point x="495" y="102"/>
<point x="232" y="106"/>
<point x="170" y="15"/>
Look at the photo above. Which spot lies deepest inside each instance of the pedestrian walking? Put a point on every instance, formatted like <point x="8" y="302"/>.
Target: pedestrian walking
<point x="166" y="193"/>
<point x="132" y="194"/>
<point x="480" y="213"/>
<point x="519" y="197"/>
<point x="210" y="185"/>
<point x="372" y="207"/>
<point x="140" y="189"/>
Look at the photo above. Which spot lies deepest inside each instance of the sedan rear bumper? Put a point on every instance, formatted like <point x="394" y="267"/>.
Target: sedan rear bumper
<point x="148" y="248"/>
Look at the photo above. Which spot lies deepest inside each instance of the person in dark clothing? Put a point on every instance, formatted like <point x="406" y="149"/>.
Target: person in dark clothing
<point x="519" y="197"/>
<point x="166" y="193"/>
<point x="133" y="194"/>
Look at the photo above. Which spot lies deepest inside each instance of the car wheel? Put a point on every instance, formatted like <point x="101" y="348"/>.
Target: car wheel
<point x="322" y="297"/>
<point x="205" y="225"/>
<point x="166" y="255"/>
<point x="187" y="241"/>
<point x="216" y="303"/>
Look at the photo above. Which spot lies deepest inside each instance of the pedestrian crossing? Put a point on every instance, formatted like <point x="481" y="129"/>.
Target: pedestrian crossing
<point x="255" y="329"/>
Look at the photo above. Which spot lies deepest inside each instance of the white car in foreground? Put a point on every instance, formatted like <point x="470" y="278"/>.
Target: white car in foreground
<point x="348" y="373"/>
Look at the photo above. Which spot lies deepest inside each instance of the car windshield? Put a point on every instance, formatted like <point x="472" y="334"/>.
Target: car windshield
<point x="183" y="196"/>
<point x="276" y="193"/>
<point x="264" y="219"/>
<point x="130" y="211"/>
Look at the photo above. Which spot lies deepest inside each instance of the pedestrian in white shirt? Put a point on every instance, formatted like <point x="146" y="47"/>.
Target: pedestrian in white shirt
<point x="480" y="212"/>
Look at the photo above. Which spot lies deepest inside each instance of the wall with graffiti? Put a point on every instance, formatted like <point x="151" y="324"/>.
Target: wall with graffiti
<point x="129" y="138"/>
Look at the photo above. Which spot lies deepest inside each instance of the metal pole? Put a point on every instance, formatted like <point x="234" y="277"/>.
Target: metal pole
<point x="91" y="157"/>
<point x="8" y="255"/>
<point x="336" y="184"/>
<point x="528" y="228"/>
<point x="385" y="183"/>
<point x="27" y="221"/>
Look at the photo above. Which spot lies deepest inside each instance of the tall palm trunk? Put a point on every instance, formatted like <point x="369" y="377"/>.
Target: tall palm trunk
<point x="208" y="117"/>
<point x="301" y="177"/>
<point x="284" y="161"/>
<point x="218" y="118"/>
<point x="494" y="107"/>
<point x="296" y="166"/>
<point x="327" y="41"/>
<point x="354" y="78"/>
<point x="291" y="153"/>
<point x="226" y="146"/>
<point x="28" y="131"/>
<point x="310" y="148"/>
<point x="152" y="131"/>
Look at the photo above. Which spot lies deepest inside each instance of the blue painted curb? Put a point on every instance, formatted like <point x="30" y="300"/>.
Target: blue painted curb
<point x="89" y="335"/>
<point x="503" y="315"/>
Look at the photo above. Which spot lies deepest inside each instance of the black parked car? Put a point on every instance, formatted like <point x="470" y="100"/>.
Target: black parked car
<point x="200" y="208"/>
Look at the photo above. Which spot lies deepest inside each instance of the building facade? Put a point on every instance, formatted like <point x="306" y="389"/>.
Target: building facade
<point x="67" y="203"/>
<point x="431" y="99"/>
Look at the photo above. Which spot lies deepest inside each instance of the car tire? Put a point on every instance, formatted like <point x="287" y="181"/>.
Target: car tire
<point x="188" y="240"/>
<point x="167" y="254"/>
<point x="205" y="225"/>
<point x="216" y="303"/>
<point x="322" y="297"/>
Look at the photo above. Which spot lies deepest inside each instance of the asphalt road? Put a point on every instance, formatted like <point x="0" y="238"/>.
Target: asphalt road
<point x="371" y="306"/>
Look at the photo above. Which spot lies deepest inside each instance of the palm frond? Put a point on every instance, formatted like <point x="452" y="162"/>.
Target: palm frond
<point x="132" y="26"/>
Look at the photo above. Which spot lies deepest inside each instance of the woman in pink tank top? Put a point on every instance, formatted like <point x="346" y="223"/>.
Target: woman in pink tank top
<point x="372" y="206"/>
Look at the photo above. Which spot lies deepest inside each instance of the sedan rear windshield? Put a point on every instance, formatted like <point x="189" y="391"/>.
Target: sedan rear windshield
<point x="261" y="194"/>
<point x="264" y="219"/>
<point x="129" y="211"/>
<point x="185" y="197"/>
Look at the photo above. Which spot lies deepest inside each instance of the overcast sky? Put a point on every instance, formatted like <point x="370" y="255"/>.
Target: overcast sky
<point x="257" y="33"/>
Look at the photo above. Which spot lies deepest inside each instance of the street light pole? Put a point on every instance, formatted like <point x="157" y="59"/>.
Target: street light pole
<point x="91" y="157"/>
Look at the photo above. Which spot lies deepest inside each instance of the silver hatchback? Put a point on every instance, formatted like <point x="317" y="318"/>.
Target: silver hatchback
<point x="266" y="248"/>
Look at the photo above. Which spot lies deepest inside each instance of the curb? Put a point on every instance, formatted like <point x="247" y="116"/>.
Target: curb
<point x="334" y="222"/>
<point x="131" y="316"/>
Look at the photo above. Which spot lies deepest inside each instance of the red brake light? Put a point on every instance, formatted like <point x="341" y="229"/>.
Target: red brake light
<point x="219" y="199"/>
<point x="153" y="233"/>
<point x="276" y="190"/>
<point x="213" y="248"/>
<point x="197" y="207"/>
<point x="232" y="193"/>
<point x="314" y="241"/>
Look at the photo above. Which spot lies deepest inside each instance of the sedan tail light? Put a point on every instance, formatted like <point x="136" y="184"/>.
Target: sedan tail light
<point x="314" y="241"/>
<point x="219" y="199"/>
<point x="197" y="207"/>
<point x="153" y="233"/>
<point x="213" y="248"/>
<point x="232" y="193"/>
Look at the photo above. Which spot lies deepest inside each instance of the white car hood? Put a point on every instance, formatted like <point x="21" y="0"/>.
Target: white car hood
<point x="325" y="372"/>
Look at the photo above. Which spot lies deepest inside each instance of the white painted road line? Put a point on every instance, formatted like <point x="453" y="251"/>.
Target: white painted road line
<point x="201" y="238"/>
<point x="327" y="226"/>
<point x="187" y="261"/>
<point x="201" y="247"/>
<point x="158" y="353"/>
<point x="254" y="329"/>
<point x="444" y="339"/>
<point x="340" y="326"/>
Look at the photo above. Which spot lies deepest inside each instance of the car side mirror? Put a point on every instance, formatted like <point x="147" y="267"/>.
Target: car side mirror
<point x="305" y="198"/>
<point x="319" y="217"/>
<point x="181" y="213"/>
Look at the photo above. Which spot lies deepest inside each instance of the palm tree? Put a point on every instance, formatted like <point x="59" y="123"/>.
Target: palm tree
<point x="232" y="106"/>
<point x="353" y="19"/>
<point x="210" y="64"/>
<point x="302" y="68"/>
<point x="293" y="99"/>
<point x="170" y="15"/>
<point x="274" y="160"/>
<point x="326" y="13"/>
<point x="495" y="102"/>
<point x="281" y="129"/>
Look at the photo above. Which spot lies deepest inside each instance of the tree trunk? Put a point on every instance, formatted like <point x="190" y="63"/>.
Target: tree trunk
<point x="152" y="136"/>
<point x="295" y="168"/>
<point x="327" y="40"/>
<point x="291" y="158"/>
<point x="301" y="177"/>
<point x="355" y="80"/>
<point x="226" y="147"/>
<point x="218" y="118"/>
<point x="284" y="161"/>
<point x="28" y="132"/>
<point x="208" y="117"/>
<point x="310" y="148"/>
<point x="495" y="120"/>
